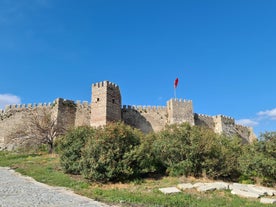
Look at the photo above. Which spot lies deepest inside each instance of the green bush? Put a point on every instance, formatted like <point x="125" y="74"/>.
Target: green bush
<point x="186" y="150"/>
<point x="146" y="158"/>
<point x="118" y="152"/>
<point x="70" y="148"/>
<point x="221" y="159"/>
<point x="171" y="147"/>
<point x="258" y="161"/>
<point x="111" y="154"/>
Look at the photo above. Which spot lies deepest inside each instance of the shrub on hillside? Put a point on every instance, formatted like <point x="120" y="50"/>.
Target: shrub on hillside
<point x="258" y="161"/>
<point x="70" y="148"/>
<point x="222" y="159"/>
<point x="147" y="160"/>
<point x="186" y="150"/>
<point x="172" y="147"/>
<point x="111" y="154"/>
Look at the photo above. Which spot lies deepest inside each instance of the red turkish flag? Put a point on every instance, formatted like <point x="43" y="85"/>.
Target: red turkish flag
<point x="175" y="82"/>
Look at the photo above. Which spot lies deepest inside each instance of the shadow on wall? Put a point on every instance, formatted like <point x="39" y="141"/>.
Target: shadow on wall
<point x="133" y="118"/>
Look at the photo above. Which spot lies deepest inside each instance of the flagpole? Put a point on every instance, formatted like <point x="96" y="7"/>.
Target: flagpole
<point x="175" y="93"/>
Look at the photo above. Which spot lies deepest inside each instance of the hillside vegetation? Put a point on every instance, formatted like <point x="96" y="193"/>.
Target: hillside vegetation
<point x="119" y="165"/>
<point x="118" y="152"/>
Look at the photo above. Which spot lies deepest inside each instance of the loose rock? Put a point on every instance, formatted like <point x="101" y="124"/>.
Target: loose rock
<point x="268" y="200"/>
<point x="170" y="190"/>
<point x="185" y="186"/>
<point x="245" y="194"/>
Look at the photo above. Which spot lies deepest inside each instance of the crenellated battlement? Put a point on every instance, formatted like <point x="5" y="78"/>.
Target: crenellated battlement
<point x="105" y="84"/>
<point x="204" y="116"/>
<point x="145" y="108"/>
<point x="179" y="100"/>
<point x="82" y="104"/>
<point x="225" y="118"/>
<point x="241" y="126"/>
<point x="27" y="106"/>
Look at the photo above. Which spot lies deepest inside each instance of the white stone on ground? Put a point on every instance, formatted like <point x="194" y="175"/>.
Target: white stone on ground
<point x="185" y="186"/>
<point x="170" y="190"/>
<point x="196" y="185"/>
<point x="221" y="185"/>
<point x="268" y="200"/>
<point x="264" y="190"/>
<point x="245" y="194"/>
<point x="205" y="188"/>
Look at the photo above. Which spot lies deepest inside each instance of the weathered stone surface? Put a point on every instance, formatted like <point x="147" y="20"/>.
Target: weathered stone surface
<point x="221" y="185"/>
<point x="268" y="200"/>
<point x="185" y="186"/>
<point x="266" y="191"/>
<point x="246" y="194"/>
<point x="170" y="190"/>
<point x="196" y="185"/>
<point x="259" y="190"/>
<point x="202" y="187"/>
<point x="238" y="186"/>
<point x="205" y="188"/>
<point x="243" y="190"/>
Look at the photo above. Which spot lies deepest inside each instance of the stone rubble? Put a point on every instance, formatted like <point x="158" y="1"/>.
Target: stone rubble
<point x="185" y="186"/>
<point x="268" y="200"/>
<point x="245" y="194"/>
<point x="242" y="190"/>
<point x="169" y="190"/>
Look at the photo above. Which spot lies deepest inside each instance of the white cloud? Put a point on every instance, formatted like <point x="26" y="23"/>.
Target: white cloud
<point x="247" y="122"/>
<point x="7" y="99"/>
<point x="268" y="113"/>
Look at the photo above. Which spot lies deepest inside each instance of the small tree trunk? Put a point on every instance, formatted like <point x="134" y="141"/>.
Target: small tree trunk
<point x="51" y="148"/>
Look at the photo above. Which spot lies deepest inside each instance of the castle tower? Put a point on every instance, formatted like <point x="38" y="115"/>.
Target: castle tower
<point x="224" y="125"/>
<point x="64" y="111"/>
<point x="180" y="111"/>
<point x="105" y="103"/>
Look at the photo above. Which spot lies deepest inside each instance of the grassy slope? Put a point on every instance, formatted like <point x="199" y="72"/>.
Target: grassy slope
<point x="46" y="169"/>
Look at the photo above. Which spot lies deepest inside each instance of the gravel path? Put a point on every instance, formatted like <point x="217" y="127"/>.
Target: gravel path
<point x="20" y="191"/>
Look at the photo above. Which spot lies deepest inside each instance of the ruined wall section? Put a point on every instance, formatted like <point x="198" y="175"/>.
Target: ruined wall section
<point x="180" y="111"/>
<point x="13" y="119"/>
<point x="204" y="121"/>
<point x="246" y="133"/>
<point x="83" y="114"/>
<point x="145" y="118"/>
<point x="226" y="125"/>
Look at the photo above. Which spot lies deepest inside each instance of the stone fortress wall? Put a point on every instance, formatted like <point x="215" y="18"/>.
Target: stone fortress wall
<point x="146" y="118"/>
<point x="67" y="113"/>
<point x="13" y="117"/>
<point x="106" y="107"/>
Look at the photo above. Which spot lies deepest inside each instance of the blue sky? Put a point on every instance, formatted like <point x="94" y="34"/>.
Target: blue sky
<point x="222" y="51"/>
